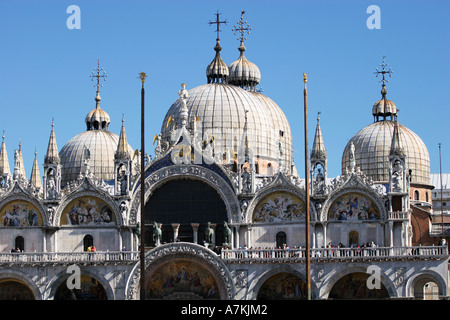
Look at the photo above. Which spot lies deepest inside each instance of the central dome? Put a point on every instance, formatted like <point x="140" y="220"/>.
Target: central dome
<point x="221" y="110"/>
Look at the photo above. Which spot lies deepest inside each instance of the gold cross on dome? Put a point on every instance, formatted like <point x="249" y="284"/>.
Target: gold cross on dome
<point x="384" y="72"/>
<point x="98" y="73"/>
<point x="217" y="22"/>
<point x="241" y="29"/>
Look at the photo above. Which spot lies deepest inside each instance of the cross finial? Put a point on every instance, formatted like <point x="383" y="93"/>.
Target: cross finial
<point x="98" y="73"/>
<point x="217" y="22"/>
<point x="384" y="72"/>
<point x="241" y="29"/>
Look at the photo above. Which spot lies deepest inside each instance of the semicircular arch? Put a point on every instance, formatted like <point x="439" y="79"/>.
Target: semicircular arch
<point x="159" y="177"/>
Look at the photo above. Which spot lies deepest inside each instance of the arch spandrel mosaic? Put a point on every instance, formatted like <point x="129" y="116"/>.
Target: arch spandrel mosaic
<point x="181" y="279"/>
<point x="86" y="211"/>
<point x="20" y="213"/>
<point x="278" y="207"/>
<point x="353" y="207"/>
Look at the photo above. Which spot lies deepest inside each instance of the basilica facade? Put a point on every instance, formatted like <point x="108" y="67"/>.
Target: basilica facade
<point x="224" y="206"/>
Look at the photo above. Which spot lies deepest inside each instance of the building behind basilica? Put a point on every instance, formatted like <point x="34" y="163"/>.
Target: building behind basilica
<point x="225" y="208"/>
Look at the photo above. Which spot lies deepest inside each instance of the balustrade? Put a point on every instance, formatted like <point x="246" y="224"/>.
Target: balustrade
<point x="238" y="255"/>
<point x="263" y="255"/>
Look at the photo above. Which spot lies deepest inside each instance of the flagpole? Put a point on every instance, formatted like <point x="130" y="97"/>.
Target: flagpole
<point x="142" y="76"/>
<point x="307" y="210"/>
<point x="442" y="207"/>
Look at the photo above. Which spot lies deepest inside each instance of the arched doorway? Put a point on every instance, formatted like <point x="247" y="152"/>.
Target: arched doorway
<point x="282" y="286"/>
<point x="354" y="286"/>
<point x="90" y="289"/>
<point x="182" y="271"/>
<point x="187" y="206"/>
<point x="11" y="289"/>
<point x="426" y="288"/>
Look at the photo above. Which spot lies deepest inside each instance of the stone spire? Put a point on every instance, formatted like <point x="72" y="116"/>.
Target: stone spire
<point x="19" y="168"/>
<point x="122" y="147"/>
<point x="318" y="151"/>
<point x="4" y="163"/>
<point x="35" y="179"/>
<point x="396" y="144"/>
<point x="318" y="163"/>
<point x="52" y="156"/>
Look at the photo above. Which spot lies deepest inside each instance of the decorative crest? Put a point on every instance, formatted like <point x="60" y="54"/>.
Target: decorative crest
<point x="384" y="72"/>
<point x="241" y="29"/>
<point x="98" y="73"/>
<point x="217" y="22"/>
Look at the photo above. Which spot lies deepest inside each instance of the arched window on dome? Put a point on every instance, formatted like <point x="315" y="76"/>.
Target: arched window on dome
<point x="416" y="195"/>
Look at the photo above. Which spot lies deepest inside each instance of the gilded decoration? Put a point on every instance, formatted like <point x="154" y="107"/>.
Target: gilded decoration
<point x="352" y="207"/>
<point x="279" y="206"/>
<point x="19" y="213"/>
<point x="86" y="211"/>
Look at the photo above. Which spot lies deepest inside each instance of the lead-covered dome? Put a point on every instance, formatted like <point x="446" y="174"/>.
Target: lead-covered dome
<point x="222" y="111"/>
<point x="373" y="144"/>
<point x="97" y="144"/>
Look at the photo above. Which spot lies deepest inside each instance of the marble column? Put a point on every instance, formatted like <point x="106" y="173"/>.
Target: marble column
<point x="195" y="231"/>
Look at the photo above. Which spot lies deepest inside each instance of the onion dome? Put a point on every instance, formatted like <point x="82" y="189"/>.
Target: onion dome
<point x="243" y="73"/>
<point x="217" y="70"/>
<point x="97" y="119"/>
<point x="384" y="107"/>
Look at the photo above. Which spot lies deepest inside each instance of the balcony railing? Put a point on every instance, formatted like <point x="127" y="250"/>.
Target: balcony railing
<point x="69" y="257"/>
<point x="398" y="215"/>
<point x="329" y="254"/>
<point x="236" y="255"/>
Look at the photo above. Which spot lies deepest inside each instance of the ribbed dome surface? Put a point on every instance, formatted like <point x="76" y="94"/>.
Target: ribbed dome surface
<point x="221" y="110"/>
<point x="281" y="126"/>
<point x="372" y="147"/>
<point x="102" y="145"/>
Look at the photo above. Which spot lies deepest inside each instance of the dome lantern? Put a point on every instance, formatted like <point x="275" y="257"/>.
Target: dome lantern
<point x="384" y="107"/>
<point x="217" y="70"/>
<point x="243" y="73"/>
<point x="98" y="119"/>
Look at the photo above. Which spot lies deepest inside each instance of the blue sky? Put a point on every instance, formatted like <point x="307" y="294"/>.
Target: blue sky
<point x="45" y="67"/>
